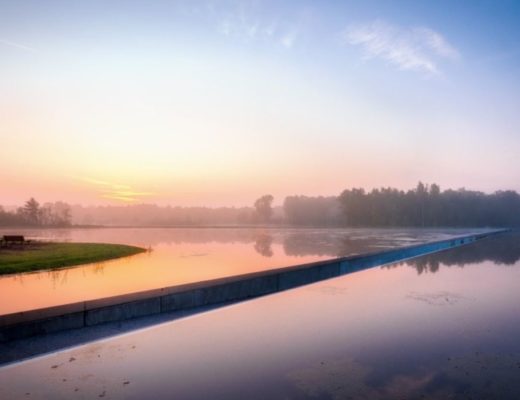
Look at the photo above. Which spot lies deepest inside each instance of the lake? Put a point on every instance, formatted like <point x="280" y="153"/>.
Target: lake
<point x="440" y="326"/>
<point x="184" y="255"/>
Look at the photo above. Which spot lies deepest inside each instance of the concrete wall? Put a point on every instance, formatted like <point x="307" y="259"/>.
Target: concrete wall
<point x="175" y="298"/>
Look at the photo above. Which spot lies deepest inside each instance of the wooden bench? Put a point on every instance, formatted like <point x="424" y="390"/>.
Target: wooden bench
<point x="13" y="239"/>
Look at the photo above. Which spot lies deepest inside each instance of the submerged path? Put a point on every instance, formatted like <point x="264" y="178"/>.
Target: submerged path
<point x="184" y="256"/>
<point x="202" y="295"/>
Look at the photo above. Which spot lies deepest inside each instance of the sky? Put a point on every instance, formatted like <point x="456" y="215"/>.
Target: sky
<point x="217" y="103"/>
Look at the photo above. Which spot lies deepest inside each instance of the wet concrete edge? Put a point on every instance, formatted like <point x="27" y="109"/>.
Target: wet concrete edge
<point x="207" y="293"/>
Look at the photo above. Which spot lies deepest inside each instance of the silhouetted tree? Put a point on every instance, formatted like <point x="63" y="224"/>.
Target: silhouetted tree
<point x="61" y="214"/>
<point x="31" y="211"/>
<point x="32" y="214"/>
<point x="263" y="207"/>
<point x="424" y="205"/>
<point x="304" y="210"/>
<point x="428" y="206"/>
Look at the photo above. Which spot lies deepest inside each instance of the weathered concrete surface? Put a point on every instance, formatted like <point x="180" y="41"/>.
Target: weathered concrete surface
<point x="118" y="312"/>
<point x="223" y="290"/>
<point x="42" y="326"/>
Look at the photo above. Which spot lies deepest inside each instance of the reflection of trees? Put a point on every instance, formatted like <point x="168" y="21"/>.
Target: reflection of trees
<point x="425" y="264"/>
<point x="296" y="242"/>
<point x="309" y="244"/>
<point x="58" y="276"/>
<point x="503" y="250"/>
<point x="336" y="244"/>
<point x="18" y="278"/>
<point x="263" y="245"/>
<point x="98" y="268"/>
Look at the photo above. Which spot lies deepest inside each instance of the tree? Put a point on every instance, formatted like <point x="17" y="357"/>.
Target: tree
<point x="429" y="206"/>
<point x="45" y="216"/>
<point x="31" y="211"/>
<point x="355" y="206"/>
<point x="263" y="207"/>
<point x="421" y="196"/>
<point x="61" y="214"/>
<point x="304" y="210"/>
<point x="55" y="214"/>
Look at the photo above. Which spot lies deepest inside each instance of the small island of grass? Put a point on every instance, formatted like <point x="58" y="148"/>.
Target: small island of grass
<point x="38" y="255"/>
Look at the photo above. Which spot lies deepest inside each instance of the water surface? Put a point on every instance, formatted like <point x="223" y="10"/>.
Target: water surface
<point x="443" y="326"/>
<point x="186" y="255"/>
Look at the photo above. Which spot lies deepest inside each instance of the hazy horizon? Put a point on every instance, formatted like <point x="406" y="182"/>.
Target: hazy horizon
<point x="217" y="103"/>
<point x="277" y="202"/>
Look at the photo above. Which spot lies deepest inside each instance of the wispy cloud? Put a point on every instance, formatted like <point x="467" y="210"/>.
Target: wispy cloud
<point x="128" y="196"/>
<point x="116" y="191"/>
<point x="247" y="23"/>
<point x="240" y="26"/>
<point x="417" y="49"/>
<point x="437" y="43"/>
<point x="99" y="182"/>
<point x="18" y="46"/>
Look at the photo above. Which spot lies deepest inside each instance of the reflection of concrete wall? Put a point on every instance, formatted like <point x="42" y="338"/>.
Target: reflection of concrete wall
<point x="504" y="250"/>
<point x="200" y="294"/>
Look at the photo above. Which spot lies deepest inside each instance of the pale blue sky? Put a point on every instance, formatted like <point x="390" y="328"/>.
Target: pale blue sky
<point x="219" y="102"/>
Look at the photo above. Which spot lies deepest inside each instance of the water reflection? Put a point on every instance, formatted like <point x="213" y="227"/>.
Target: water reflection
<point x="295" y="242"/>
<point x="470" y="376"/>
<point x="384" y="333"/>
<point x="501" y="250"/>
<point x="187" y="255"/>
<point x="351" y="379"/>
<point x="263" y="245"/>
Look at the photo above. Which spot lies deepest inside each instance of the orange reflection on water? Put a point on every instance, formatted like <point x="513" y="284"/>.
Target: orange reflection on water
<point x="186" y="255"/>
<point x="444" y="331"/>
<point x="166" y="265"/>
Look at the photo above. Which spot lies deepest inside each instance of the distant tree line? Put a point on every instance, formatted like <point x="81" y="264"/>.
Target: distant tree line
<point x="429" y="206"/>
<point x="423" y="206"/>
<point x="32" y="214"/>
<point x="304" y="210"/>
<point x="155" y="215"/>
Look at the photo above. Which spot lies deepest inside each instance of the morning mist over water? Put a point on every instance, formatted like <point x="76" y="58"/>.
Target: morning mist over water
<point x="239" y="199"/>
<point x="386" y="207"/>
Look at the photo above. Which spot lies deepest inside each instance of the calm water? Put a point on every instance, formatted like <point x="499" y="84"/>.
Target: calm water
<point x="444" y="326"/>
<point x="188" y="255"/>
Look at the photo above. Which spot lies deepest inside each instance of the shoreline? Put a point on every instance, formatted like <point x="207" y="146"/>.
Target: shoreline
<point x="37" y="256"/>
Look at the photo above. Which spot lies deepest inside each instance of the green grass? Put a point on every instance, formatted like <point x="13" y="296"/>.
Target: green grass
<point x="37" y="256"/>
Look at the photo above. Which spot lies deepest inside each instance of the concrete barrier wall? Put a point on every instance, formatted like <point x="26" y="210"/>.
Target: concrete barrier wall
<point x="223" y="290"/>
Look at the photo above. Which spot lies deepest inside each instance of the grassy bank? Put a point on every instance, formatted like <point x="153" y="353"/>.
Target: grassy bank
<point x="36" y="256"/>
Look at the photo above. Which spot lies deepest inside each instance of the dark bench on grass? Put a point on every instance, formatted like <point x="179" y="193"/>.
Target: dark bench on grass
<point x="13" y="239"/>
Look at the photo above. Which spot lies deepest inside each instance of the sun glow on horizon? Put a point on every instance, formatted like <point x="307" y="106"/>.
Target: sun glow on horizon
<point x="219" y="106"/>
<point x="115" y="191"/>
